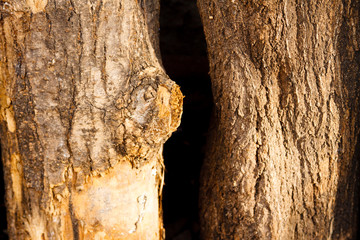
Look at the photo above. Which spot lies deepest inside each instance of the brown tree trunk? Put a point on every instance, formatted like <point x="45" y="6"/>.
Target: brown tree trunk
<point x="281" y="160"/>
<point x="85" y="110"/>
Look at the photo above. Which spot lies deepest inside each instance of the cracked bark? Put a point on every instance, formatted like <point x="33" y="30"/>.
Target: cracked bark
<point x="281" y="160"/>
<point x="85" y="110"/>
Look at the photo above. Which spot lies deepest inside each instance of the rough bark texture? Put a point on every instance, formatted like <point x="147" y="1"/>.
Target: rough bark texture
<point x="85" y="110"/>
<point x="281" y="162"/>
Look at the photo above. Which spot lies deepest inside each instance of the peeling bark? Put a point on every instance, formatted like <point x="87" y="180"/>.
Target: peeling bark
<point x="281" y="160"/>
<point x="85" y="110"/>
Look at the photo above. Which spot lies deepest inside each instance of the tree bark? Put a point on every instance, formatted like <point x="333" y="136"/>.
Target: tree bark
<point x="85" y="110"/>
<point x="282" y="160"/>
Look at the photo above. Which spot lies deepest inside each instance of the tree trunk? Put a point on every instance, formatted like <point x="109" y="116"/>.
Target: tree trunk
<point x="85" y="110"/>
<point x="281" y="160"/>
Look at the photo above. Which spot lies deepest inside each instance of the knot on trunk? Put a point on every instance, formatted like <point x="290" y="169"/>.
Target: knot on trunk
<point x="154" y="112"/>
<point x="133" y="127"/>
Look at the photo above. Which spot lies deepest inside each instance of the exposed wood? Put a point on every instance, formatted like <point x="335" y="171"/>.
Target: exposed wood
<point x="85" y="110"/>
<point x="281" y="160"/>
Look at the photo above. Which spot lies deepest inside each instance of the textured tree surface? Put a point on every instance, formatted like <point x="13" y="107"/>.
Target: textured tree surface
<point x="281" y="162"/>
<point x="85" y="110"/>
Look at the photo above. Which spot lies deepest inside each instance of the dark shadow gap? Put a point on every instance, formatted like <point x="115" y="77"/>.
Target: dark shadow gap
<point x="183" y="50"/>
<point x="3" y="224"/>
